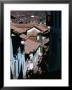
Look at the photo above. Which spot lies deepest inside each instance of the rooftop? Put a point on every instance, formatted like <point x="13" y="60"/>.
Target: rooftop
<point x="20" y="28"/>
<point x="31" y="45"/>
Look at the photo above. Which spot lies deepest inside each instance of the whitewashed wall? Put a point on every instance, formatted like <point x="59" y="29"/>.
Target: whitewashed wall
<point x="33" y="30"/>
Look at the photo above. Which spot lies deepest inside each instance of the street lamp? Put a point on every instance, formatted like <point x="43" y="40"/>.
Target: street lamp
<point x="32" y="16"/>
<point x="49" y="27"/>
<point x="12" y="34"/>
<point x="22" y="45"/>
<point x="22" y="42"/>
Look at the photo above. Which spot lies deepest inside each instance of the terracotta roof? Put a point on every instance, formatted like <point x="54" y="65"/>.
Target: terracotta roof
<point x="33" y="38"/>
<point x="19" y="30"/>
<point x="41" y="27"/>
<point x="24" y="27"/>
<point x="28" y="25"/>
<point x="23" y="36"/>
<point x="31" y="46"/>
